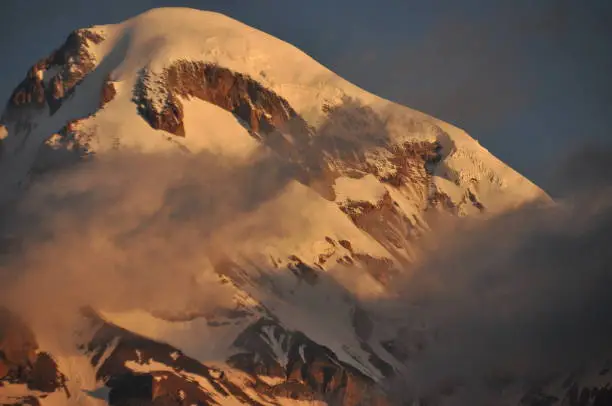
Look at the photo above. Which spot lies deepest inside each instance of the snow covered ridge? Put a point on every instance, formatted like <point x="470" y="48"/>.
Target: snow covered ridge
<point x="158" y="97"/>
<point x="360" y="179"/>
<point x="52" y="79"/>
<point x="269" y="85"/>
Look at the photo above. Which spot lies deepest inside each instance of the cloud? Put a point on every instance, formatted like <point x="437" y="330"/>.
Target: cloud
<point x="132" y="231"/>
<point x="514" y="301"/>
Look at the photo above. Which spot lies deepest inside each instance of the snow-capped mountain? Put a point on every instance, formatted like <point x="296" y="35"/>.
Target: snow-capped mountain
<point x="337" y="185"/>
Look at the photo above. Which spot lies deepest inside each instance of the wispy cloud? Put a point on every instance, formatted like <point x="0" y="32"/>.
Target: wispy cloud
<point x="516" y="301"/>
<point x="133" y="231"/>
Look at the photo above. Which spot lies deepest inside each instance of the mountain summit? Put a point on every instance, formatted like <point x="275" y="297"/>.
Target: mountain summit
<point x="156" y="79"/>
<point x="299" y="195"/>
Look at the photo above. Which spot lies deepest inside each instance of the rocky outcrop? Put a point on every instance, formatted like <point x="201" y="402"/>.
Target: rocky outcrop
<point x="280" y="365"/>
<point x="589" y="396"/>
<point x="302" y="271"/>
<point x="108" y="92"/>
<point x="289" y="365"/>
<point x="20" y="360"/>
<point x="130" y="366"/>
<point x="155" y="388"/>
<point x="414" y="163"/>
<point x="573" y="393"/>
<point x="64" y="148"/>
<point x="355" y="141"/>
<point x="71" y="143"/>
<point x="442" y="201"/>
<point x="17" y="343"/>
<point x="158" y="97"/>
<point x="384" y="221"/>
<point x="381" y="269"/>
<point x="51" y="80"/>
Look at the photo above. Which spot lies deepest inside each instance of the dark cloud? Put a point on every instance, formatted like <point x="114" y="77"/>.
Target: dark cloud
<point x="518" y="300"/>
<point x="586" y="170"/>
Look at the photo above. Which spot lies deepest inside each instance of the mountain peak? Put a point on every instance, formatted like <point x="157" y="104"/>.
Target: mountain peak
<point x="161" y="58"/>
<point x="318" y="190"/>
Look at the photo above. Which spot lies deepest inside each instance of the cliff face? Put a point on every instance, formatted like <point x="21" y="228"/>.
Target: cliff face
<point x="158" y="97"/>
<point x="52" y="79"/>
<point x="306" y="371"/>
<point x="272" y="365"/>
<point x="140" y="371"/>
<point x="21" y="363"/>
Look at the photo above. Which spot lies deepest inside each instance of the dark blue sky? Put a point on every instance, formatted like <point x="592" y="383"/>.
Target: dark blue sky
<point x="529" y="79"/>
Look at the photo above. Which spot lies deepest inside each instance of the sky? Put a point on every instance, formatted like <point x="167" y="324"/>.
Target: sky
<point x="529" y="79"/>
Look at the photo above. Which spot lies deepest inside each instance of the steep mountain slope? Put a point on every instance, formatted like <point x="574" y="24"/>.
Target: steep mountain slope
<point x="337" y="184"/>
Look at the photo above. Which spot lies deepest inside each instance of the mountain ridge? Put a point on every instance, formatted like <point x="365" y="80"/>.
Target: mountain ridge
<point x="321" y="190"/>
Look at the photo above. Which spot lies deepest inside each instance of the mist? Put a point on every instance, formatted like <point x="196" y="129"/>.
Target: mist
<point x="514" y="303"/>
<point x="511" y="302"/>
<point x="132" y="231"/>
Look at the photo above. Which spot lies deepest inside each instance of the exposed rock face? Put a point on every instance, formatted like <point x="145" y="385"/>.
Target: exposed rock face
<point x="108" y="92"/>
<point x="386" y="223"/>
<point x="601" y="396"/>
<point x="279" y="364"/>
<point x="289" y="365"/>
<point x="62" y="149"/>
<point x="70" y="144"/>
<point x="263" y="111"/>
<point x="438" y="200"/>
<point x="382" y="269"/>
<point x="113" y="350"/>
<point x="414" y="163"/>
<point x="17" y="343"/>
<point x="20" y="360"/>
<point x="573" y="394"/>
<point x="355" y="142"/>
<point x="44" y="375"/>
<point x="408" y="169"/>
<point x="51" y="80"/>
<point x="155" y="389"/>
